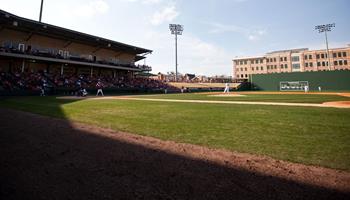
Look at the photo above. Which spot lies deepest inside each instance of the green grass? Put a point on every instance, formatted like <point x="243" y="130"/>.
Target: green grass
<point x="290" y="98"/>
<point x="317" y="136"/>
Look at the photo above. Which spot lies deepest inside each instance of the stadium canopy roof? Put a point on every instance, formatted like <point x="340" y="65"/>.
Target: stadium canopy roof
<point x="11" y="21"/>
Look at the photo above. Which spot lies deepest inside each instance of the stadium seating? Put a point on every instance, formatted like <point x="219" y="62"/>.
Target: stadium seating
<point x="35" y="81"/>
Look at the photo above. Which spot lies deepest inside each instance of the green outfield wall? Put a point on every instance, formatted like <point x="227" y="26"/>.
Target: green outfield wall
<point x="327" y="80"/>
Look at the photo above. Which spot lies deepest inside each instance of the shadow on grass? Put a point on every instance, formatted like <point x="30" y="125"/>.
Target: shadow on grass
<point x="48" y="158"/>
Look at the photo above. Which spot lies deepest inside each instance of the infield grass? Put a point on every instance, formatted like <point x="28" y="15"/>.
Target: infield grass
<point x="308" y="135"/>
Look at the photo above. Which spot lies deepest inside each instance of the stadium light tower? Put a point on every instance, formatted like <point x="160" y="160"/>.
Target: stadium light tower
<point x="326" y="28"/>
<point x="41" y="10"/>
<point x="176" y="29"/>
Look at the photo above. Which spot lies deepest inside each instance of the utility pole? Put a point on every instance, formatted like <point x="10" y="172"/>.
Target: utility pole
<point x="41" y="10"/>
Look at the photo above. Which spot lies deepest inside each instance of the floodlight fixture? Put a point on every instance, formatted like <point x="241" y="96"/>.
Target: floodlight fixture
<point x="324" y="28"/>
<point x="176" y="29"/>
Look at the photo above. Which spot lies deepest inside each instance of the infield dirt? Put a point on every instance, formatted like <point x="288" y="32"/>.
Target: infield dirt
<point x="47" y="158"/>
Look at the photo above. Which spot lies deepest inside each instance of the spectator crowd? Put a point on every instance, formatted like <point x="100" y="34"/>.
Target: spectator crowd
<point x="37" y="81"/>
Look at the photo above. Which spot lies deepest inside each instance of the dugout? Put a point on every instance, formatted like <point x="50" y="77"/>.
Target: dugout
<point x="328" y="81"/>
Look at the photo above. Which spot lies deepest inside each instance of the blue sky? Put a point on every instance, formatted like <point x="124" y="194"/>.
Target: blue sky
<point x="216" y="31"/>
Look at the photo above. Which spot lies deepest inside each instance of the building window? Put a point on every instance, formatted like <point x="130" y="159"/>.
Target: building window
<point x="257" y="68"/>
<point x="318" y="64"/>
<point x="252" y="68"/>
<point x="295" y="59"/>
<point x="306" y="64"/>
<point x="340" y="62"/>
<point x="245" y="69"/>
<point x="310" y="64"/>
<point x="281" y="66"/>
<point x="327" y="63"/>
<point x="323" y="64"/>
<point x="334" y="55"/>
<point x="286" y="66"/>
<point x="261" y="61"/>
<point x="262" y="68"/>
<point x="296" y="66"/>
<point x="345" y="62"/>
<point x="268" y="67"/>
<point x="237" y="76"/>
<point x="245" y="62"/>
<point x="318" y="56"/>
<point x="274" y="60"/>
<point x="285" y="58"/>
<point x="305" y="57"/>
<point x="310" y="57"/>
<point x="281" y="59"/>
<point x="322" y="55"/>
<point x="344" y="54"/>
<point x="246" y="75"/>
<point x="275" y="66"/>
<point x="339" y="54"/>
<point x="335" y="63"/>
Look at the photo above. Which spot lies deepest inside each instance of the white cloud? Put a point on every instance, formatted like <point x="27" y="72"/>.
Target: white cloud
<point x="92" y="8"/>
<point x="145" y="1"/>
<point x="151" y="1"/>
<point x="256" y="35"/>
<point x="250" y="33"/>
<point x="167" y="14"/>
<point x="194" y="55"/>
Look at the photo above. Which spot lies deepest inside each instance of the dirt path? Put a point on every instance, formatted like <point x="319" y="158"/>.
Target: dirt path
<point x="46" y="158"/>
<point x="345" y="94"/>
<point x="324" y="105"/>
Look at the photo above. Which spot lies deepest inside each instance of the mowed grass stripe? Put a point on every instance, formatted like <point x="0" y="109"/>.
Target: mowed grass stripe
<point x="318" y="136"/>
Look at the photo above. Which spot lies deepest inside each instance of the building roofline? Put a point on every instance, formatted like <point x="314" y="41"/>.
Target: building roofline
<point x="285" y="51"/>
<point x="248" y="57"/>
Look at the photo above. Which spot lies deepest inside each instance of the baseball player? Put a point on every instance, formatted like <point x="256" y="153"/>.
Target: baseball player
<point x="99" y="87"/>
<point x="227" y="88"/>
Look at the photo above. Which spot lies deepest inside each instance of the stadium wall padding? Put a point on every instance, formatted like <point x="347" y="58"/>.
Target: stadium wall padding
<point x="327" y="80"/>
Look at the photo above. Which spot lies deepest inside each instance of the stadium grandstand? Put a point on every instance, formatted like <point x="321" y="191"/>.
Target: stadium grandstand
<point x="34" y="55"/>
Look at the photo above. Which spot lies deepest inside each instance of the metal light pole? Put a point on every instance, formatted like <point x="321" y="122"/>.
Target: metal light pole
<point x="176" y="29"/>
<point x="326" y="28"/>
<point x="41" y="10"/>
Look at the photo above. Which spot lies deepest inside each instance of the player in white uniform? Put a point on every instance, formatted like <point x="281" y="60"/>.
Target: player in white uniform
<point x="227" y="88"/>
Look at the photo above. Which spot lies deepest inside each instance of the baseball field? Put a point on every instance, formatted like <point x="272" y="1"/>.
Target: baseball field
<point x="303" y="131"/>
<point x="309" y="135"/>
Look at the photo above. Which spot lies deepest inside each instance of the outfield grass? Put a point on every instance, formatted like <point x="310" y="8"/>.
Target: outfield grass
<point x="290" y="98"/>
<point x="318" y="136"/>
